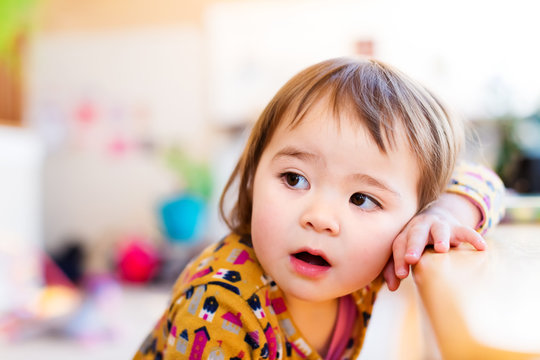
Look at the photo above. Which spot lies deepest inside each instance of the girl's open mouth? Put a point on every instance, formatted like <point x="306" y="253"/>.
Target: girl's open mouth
<point x="311" y="259"/>
<point x="310" y="264"/>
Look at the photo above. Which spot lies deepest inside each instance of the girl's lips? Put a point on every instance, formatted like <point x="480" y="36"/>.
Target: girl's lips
<point x="310" y="263"/>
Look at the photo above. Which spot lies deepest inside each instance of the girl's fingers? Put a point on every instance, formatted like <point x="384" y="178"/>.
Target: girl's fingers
<point x="417" y="239"/>
<point x="468" y="235"/>
<point x="392" y="281"/>
<point x="411" y="242"/>
<point x="409" y="246"/>
<point x="401" y="268"/>
<point x="440" y="233"/>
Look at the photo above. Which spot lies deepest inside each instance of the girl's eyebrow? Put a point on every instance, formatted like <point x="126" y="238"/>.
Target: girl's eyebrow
<point x="291" y="151"/>
<point x="371" y="181"/>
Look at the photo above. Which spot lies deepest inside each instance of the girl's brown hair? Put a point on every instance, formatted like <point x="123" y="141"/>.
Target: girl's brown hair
<point x="380" y="97"/>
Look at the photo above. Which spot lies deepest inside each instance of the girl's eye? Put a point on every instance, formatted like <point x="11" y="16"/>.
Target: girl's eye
<point x="364" y="201"/>
<point x="295" y="181"/>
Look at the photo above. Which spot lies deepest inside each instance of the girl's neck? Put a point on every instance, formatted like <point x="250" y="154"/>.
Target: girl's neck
<point x="315" y="320"/>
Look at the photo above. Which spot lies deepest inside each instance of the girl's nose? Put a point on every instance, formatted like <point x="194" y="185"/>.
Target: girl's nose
<point x="321" y="217"/>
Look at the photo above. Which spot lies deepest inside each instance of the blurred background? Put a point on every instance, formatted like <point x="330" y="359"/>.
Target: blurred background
<point x="120" y="121"/>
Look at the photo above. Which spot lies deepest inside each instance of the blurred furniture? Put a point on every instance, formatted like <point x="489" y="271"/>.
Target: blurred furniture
<point x="21" y="157"/>
<point x="485" y="305"/>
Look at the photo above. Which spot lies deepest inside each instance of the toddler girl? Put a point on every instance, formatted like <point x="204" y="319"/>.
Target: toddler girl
<point x="344" y="167"/>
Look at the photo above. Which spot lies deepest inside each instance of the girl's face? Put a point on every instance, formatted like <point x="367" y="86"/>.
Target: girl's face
<point x="327" y="205"/>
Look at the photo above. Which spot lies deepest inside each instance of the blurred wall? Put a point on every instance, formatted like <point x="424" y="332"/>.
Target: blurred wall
<point x="110" y="86"/>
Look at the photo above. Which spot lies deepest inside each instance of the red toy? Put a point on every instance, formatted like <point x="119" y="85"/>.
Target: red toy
<point x="137" y="260"/>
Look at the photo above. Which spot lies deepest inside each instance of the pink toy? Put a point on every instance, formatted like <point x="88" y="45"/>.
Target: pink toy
<point x="137" y="260"/>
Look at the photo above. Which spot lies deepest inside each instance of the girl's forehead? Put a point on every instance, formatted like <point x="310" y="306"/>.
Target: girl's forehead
<point x="324" y="114"/>
<point x="322" y="106"/>
<point x="344" y="116"/>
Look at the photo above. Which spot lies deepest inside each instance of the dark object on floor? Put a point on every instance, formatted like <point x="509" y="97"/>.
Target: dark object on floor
<point x="70" y="259"/>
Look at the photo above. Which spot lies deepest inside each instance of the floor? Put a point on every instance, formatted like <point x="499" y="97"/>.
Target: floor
<point x="130" y="326"/>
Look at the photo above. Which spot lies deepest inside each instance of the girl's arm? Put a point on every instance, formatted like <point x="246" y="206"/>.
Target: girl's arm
<point x="471" y="205"/>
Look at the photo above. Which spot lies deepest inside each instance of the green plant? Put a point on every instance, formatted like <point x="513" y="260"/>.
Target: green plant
<point x="15" y="18"/>
<point x="195" y="175"/>
<point x="510" y="151"/>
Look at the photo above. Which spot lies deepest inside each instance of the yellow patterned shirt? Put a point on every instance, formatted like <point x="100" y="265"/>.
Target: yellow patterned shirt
<point x="225" y="307"/>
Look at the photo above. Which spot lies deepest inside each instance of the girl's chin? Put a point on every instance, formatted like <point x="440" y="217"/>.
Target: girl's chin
<point x="311" y="295"/>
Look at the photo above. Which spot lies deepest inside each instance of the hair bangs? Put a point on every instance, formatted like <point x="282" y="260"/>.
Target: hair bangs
<point x="355" y="89"/>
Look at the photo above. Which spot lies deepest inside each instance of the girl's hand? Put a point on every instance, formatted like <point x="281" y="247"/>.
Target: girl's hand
<point x="449" y="221"/>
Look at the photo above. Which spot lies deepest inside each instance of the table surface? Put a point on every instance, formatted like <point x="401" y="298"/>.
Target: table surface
<point x="485" y="304"/>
